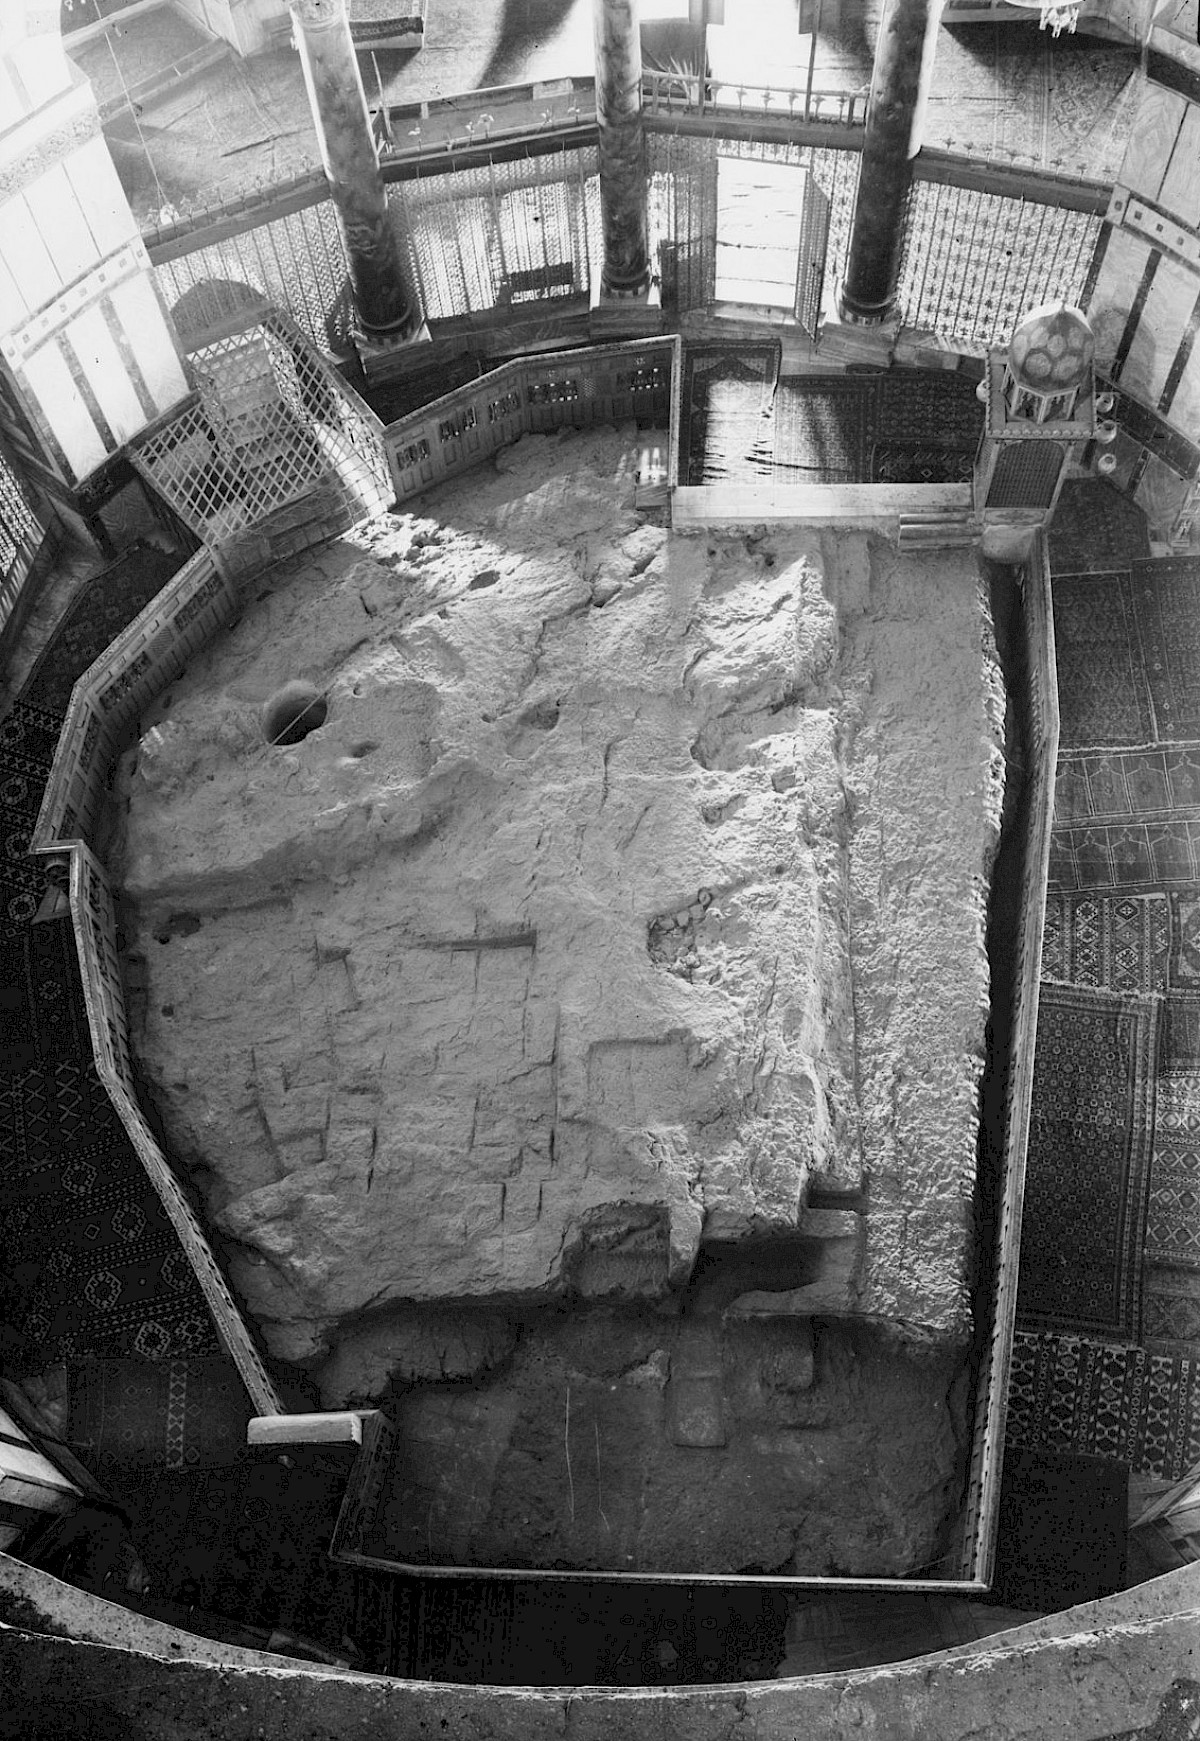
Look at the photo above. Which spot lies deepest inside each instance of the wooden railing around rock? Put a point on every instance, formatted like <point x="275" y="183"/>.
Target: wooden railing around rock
<point x="616" y="382"/>
<point x="1040" y="701"/>
<point x="100" y="720"/>
<point x="637" y="379"/>
<point x="603" y="384"/>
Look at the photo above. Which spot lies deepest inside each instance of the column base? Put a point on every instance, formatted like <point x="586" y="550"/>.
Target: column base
<point x="852" y="314"/>
<point x="625" y="316"/>
<point x="382" y="358"/>
<point x="850" y="342"/>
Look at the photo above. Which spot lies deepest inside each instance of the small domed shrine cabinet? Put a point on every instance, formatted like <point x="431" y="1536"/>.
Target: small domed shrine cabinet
<point x="1040" y="394"/>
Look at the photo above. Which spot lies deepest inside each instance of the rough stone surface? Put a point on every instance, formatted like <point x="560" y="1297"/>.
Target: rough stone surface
<point x="641" y="1443"/>
<point x="632" y="890"/>
<point x="1108" y="1682"/>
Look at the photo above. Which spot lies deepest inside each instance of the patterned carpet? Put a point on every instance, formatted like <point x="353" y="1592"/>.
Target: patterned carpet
<point x="1153" y="784"/>
<point x="96" y="618"/>
<point x="27" y="739"/>
<point x="1130" y="858"/>
<point x="42" y="1017"/>
<point x="1128" y="648"/>
<point x="1089" y="1157"/>
<point x="1104" y="697"/>
<point x="1096" y="529"/>
<point x="1124" y="1403"/>
<point x="742" y="421"/>
<point x="91" y="1267"/>
<point x="1173" y="1212"/>
<point x="1122" y="917"/>
<point x="95" y="1267"/>
<point x="167" y="1414"/>
<point x="1166" y="596"/>
<point x="1118" y="944"/>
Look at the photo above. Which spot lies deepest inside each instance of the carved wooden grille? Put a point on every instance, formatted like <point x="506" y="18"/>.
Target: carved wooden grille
<point x="271" y="421"/>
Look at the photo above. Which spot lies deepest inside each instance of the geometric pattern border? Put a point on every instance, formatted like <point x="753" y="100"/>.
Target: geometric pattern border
<point x="1070" y="1394"/>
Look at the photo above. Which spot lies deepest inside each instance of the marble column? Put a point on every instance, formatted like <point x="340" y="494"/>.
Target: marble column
<point x="895" y="117"/>
<point x="623" y="175"/>
<point x="387" y="300"/>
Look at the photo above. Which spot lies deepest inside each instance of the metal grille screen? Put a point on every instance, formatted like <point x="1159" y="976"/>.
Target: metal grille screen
<point x="297" y="261"/>
<point x="976" y="262"/>
<point x="503" y="234"/>
<point x="1025" y="474"/>
<point x="18" y="523"/>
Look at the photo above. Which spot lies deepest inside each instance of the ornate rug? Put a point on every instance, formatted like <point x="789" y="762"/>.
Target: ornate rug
<point x="725" y="401"/>
<point x="742" y="420"/>
<point x="1185" y="941"/>
<point x="1179" y="1047"/>
<point x="1102" y="690"/>
<point x="1173" y="1211"/>
<point x="95" y="618"/>
<point x="1095" y="528"/>
<point x="893" y="463"/>
<point x="1120" y="943"/>
<point x="94" y="1267"/>
<point x="1088" y="1169"/>
<point x="42" y="1016"/>
<point x="28" y="736"/>
<point x="1111" y="785"/>
<point x="1134" y="857"/>
<point x="1135" y="1407"/>
<point x="1166" y="595"/>
<point x="819" y="431"/>
<point x="166" y="1414"/>
<point x="1063" y="1525"/>
<point x="1171" y="1311"/>
<point x="1167" y="603"/>
<point x="927" y="408"/>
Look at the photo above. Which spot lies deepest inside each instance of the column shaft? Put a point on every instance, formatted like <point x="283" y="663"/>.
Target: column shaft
<point x="385" y="296"/>
<point x="622" y="148"/>
<point x="895" y="115"/>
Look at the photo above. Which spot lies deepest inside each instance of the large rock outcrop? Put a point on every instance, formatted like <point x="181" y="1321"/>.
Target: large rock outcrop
<point x="630" y="893"/>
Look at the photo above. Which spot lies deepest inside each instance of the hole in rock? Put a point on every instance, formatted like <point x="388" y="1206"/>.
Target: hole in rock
<point x="178" y="925"/>
<point x="292" y="712"/>
<point x="363" y="748"/>
<point x="542" y="715"/>
<point x="486" y="577"/>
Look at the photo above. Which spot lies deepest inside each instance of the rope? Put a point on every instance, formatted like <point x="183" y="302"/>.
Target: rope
<point x="133" y="110"/>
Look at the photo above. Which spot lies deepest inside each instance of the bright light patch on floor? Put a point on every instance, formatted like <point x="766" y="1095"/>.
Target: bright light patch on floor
<point x="759" y="209"/>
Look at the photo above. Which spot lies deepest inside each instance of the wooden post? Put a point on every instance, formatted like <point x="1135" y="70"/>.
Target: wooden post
<point x="895" y="115"/>
<point x="626" y="271"/>
<point x="387" y="300"/>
